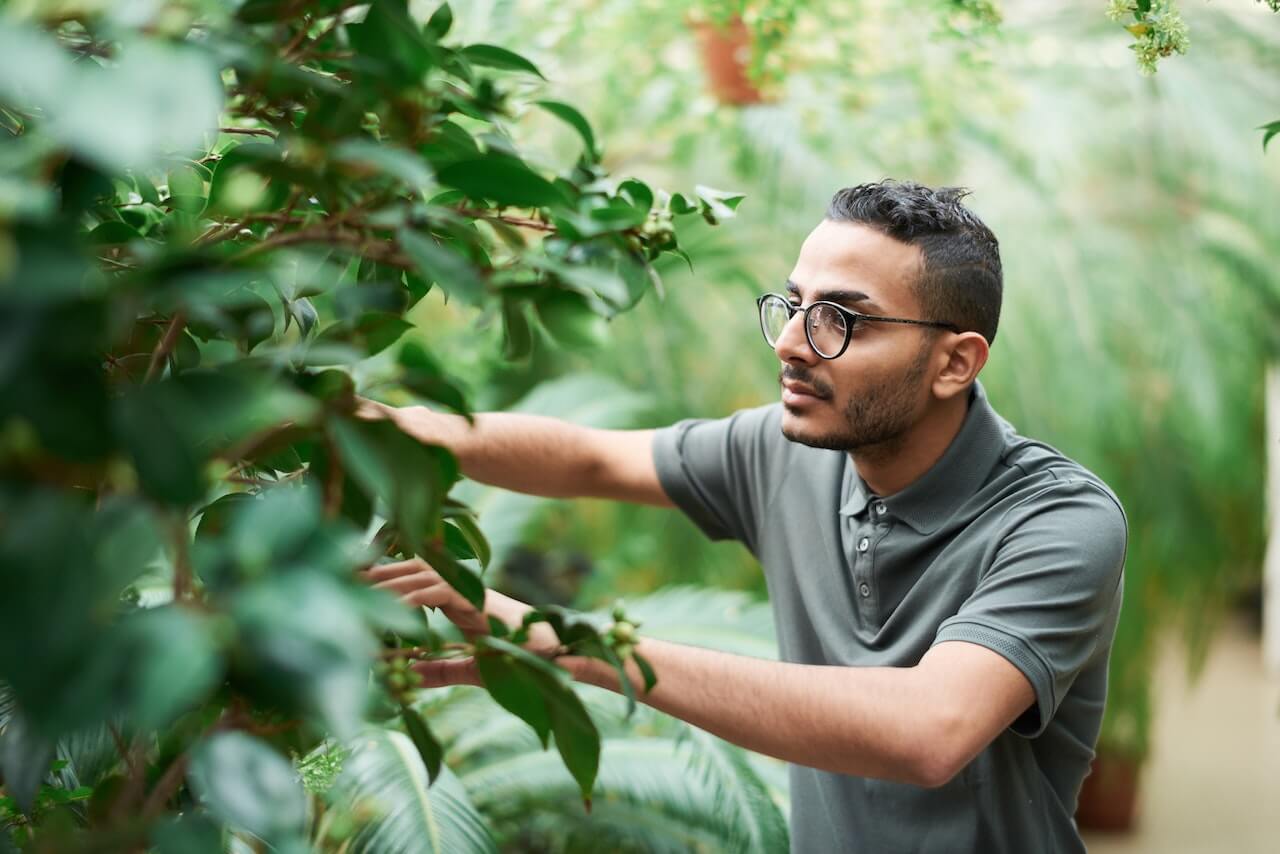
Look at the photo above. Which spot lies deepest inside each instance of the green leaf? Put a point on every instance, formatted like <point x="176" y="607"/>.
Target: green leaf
<point x="1269" y="130"/>
<point x="439" y="23"/>
<point x="413" y="170"/>
<point x="428" y="748"/>
<point x="578" y="122"/>
<point x="171" y="662"/>
<point x="576" y="736"/>
<point x="617" y="215"/>
<point x="466" y="527"/>
<point x="248" y="785"/>
<point x="390" y="40"/>
<point x="156" y="425"/>
<point x="423" y="376"/>
<point x="502" y="179"/>
<point x="571" y="321"/>
<point x="717" y="205"/>
<point x="373" y="332"/>
<point x="385" y="773"/>
<point x="305" y="648"/>
<point x="444" y="266"/>
<point x="112" y="233"/>
<point x="153" y="98"/>
<point x="189" y="833"/>
<point x="517" y="338"/>
<point x="460" y="578"/>
<point x="25" y="755"/>
<point x="498" y="57"/>
<point x="577" y="739"/>
<point x="646" y="671"/>
<point x="518" y="691"/>
<point x="240" y="170"/>
<point x="410" y="477"/>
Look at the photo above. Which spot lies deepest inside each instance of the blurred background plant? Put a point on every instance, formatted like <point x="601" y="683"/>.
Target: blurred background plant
<point x="1137" y="221"/>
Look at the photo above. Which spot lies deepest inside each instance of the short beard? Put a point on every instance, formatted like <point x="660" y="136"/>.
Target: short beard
<point x="877" y="420"/>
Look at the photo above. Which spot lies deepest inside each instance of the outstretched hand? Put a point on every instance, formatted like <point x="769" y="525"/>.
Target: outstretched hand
<point x="417" y="584"/>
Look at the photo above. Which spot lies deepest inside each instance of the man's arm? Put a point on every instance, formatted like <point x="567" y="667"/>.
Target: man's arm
<point x="537" y="455"/>
<point x="917" y="725"/>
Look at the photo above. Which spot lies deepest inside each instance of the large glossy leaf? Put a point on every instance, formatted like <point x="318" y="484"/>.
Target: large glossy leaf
<point x="498" y="57"/>
<point x="501" y="179"/>
<point x="25" y="754"/>
<point x="385" y="774"/>
<point x="442" y="265"/>
<point x="409" y="477"/>
<point x="172" y="662"/>
<point x="304" y="646"/>
<point x="572" y="117"/>
<point x="119" y="115"/>
<point x="248" y="785"/>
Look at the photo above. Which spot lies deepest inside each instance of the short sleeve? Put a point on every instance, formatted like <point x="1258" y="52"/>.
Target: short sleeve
<point x="714" y="470"/>
<point x="1050" y="600"/>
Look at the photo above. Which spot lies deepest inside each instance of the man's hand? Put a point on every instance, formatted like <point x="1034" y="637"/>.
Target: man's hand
<point x="417" y="584"/>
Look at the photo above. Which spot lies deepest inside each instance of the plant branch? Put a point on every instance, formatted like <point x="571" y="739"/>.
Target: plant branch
<point x="181" y="561"/>
<point x="249" y="131"/>
<point x="522" y="222"/>
<point x="333" y="482"/>
<point x="176" y="325"/>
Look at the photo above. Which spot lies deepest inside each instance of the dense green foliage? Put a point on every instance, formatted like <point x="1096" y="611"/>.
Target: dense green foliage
<point x="217" y="222"/>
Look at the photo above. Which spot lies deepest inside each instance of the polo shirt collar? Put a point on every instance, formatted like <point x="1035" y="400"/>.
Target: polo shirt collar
<point x="959" y="473"/>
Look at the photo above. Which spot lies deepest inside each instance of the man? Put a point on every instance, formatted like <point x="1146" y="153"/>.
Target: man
<point x="945" y="590"/>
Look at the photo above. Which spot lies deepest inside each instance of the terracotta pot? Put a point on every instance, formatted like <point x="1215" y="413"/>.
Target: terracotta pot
<point x="1109" y="796"/>
<point x="725" y="55"/>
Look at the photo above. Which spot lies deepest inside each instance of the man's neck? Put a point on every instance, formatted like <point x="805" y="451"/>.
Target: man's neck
<point x="887" y="470"/>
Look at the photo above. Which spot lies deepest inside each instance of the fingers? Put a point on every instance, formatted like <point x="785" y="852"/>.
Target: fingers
<point x="450" y="671"/>
<point x="384" y="571"/>
<point x="372" y="410"/>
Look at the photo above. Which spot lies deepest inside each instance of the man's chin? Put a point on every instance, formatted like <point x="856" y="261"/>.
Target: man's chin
<point x="800" y="425"/>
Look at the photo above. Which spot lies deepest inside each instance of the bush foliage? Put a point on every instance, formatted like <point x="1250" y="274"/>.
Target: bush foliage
<point x="214" y="217"/>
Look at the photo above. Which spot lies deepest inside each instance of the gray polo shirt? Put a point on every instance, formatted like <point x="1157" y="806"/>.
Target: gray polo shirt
<point x="1004" y="542"/>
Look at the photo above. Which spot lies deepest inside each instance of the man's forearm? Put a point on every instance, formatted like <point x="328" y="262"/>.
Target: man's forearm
<point x="525" y="453"/>
<point x="868" y="721"/>
<point x="536" y="454"/>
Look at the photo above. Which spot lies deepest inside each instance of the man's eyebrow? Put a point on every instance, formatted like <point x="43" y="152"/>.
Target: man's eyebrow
<point x="842" y="297"/>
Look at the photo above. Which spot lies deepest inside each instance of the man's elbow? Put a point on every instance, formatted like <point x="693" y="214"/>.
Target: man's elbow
<point x="942" y="754"/>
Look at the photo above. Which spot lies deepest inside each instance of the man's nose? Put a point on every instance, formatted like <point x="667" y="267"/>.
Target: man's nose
<point x="792" y="345"/>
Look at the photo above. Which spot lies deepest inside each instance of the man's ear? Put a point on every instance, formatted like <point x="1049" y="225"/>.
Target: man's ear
<point x="965" y="355"/>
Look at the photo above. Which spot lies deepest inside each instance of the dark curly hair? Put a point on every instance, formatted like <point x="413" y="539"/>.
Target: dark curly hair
<point x="960" y="280"/>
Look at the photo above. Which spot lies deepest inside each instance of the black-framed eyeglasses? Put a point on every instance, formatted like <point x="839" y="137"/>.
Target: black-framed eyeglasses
<point x="828" y="326"/>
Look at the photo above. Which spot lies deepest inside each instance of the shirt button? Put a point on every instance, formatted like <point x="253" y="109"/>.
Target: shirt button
<point x="879" y="508"/>
<point x="865" y="589"/>
<point x="863" y="544"/>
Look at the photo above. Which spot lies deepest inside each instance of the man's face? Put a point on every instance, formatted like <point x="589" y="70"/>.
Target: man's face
<point x="872" y="394"/>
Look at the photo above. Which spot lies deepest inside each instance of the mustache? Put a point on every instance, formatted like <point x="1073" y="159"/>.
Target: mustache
<point x="803" y="375"/>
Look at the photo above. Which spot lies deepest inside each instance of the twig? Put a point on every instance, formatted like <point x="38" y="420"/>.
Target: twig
<point x="254" y="442"/>
<point x="181" y="561"/>
<point x="332" y="483"/>
<point x="297" y="39"/>
<point x="165" y="787"/>
<point x="522" y="222"/>
<point x="165" y="346"/>
<point x="249" y="131"/>
<point x="321" y="36"/>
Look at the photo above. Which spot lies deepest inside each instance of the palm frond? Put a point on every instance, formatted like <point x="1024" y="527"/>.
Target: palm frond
<point x="385" y="772"/>
<point x="726" y="620"/>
